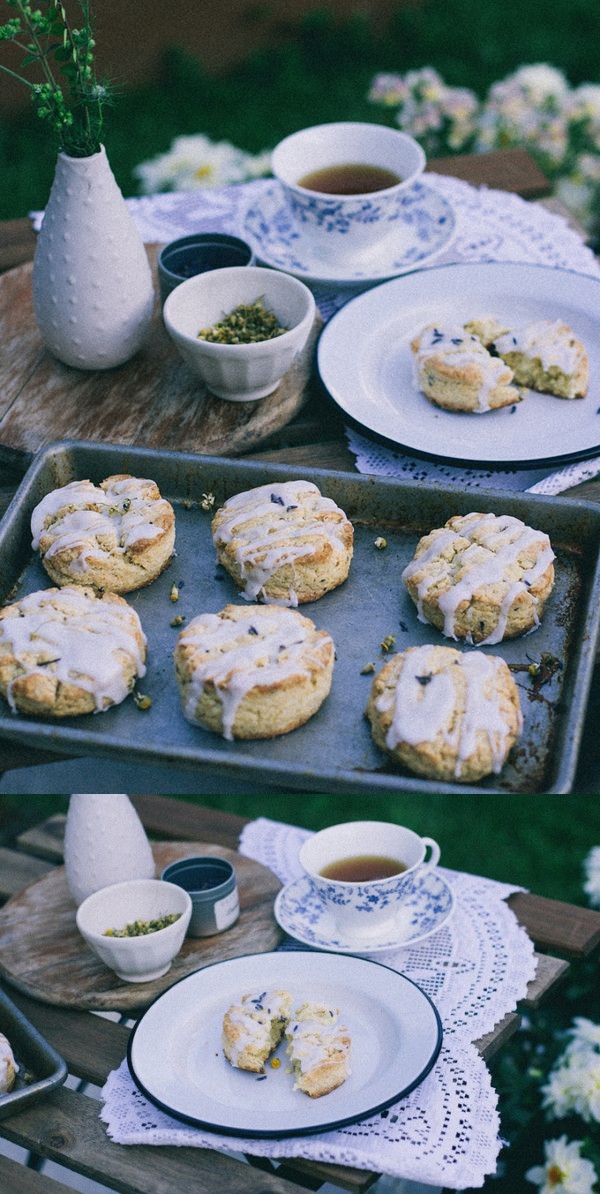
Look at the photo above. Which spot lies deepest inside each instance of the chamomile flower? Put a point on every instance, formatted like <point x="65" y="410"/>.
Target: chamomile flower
<point x="573" y="1086"/>
<point x="564" y="1170"/>
<point x="195" y="162"/>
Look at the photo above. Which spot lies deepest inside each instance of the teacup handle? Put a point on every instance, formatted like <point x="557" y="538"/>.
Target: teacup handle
<point x="435" y="851"/>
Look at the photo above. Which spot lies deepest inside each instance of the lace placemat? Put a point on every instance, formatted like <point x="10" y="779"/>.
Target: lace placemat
<point x="446" y="1132"/>
<point x="490" y="226"/>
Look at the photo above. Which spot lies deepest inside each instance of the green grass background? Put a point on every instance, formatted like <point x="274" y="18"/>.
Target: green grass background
<point x="322" y="73"/>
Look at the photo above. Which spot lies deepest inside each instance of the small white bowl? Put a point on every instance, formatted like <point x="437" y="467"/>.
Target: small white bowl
<point x="135" y="959"/>
<point x="239" y="372"/>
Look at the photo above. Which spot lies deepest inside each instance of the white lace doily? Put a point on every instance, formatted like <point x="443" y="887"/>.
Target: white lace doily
<point x="491" y="226"/>
<point x="446" y="1133"/>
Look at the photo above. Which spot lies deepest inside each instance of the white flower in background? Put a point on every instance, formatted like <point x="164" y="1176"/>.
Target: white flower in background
<point x="573" y="1085"/>
<point x="539" y="82"/>
<point x="528" y="108"/>
<point x="196" y="161"/>
<point x="565" y="1171"/>
<point x="591" y="864"/>
<point x="437" y="115"/>
<point x="585" y="1036"/>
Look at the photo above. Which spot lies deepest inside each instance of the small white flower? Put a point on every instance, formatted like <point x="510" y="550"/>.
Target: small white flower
<point x="565" y="1171"/>
<point x="592" y="871"/>
<point x="194" y="162"/>
<point x="574" y="1086"/>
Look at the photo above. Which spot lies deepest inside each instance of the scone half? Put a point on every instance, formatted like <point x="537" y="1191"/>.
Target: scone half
<point x="444" y="714"/>
<point x="456" y="371"/>
<point x="253" y="1028"/>
<point x="66" y="652"/>
<point x="116" y="536"/>
<point x="546" y="356"/>
<point x="283" y="542"/>
<point x="319" y="1049"/>
<point x="253" y="671"/>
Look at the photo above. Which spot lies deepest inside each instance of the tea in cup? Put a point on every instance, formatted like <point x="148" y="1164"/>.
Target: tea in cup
<point x="345" y="182"/>
<point x="364" y="871"/>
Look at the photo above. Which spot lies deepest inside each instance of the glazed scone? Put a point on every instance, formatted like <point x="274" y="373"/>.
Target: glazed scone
<point x="318" y="1048"/>
<point x="444" y="714"/>
<point x="8" y="1066"/>
<point x="455" y="371"/>
<point x="116" y="536"/>
<point x="546" y="356"/>
<point x="283" y="542"/>
<point x="253" y="1028"/>
<point x="66" y="651"/>
<point x="253" y="671"/>
<point x="481" y="577"/>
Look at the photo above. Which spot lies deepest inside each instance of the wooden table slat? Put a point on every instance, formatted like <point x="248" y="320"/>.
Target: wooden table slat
<point x="66" y="1128"/>
<point x="493" y="1041"/>
<point x="17" y="870"/>
<point x="16" y="1178"/>
<point x="550" y="973"/>
<point x="562" y="928"/>
<point x="507" y="169"/>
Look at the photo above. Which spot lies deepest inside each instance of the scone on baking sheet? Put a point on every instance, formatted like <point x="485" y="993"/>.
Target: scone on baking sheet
<point x="253" y="1028"/>
<point x="116" y="536"/>
<point x="319" y="1049"/>
<point x="8" y="1066"/>
<point x="481" y="577"/>
<point x="455" y="371"/>
<point x="283" y="542"/>
<point x="546" y="356"/>
<point x="253" y="671"/>
<point x="66" y="651"/>
<point x="444" y="714"/>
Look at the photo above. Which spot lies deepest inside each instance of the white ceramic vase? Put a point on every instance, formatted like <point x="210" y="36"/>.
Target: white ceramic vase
<point x="105" y="843"/>
<point x="92" y="287"/>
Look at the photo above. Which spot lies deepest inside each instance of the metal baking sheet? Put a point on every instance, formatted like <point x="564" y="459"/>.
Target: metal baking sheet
<point x="333" y="752"/>
<point x="41" y="1068"/>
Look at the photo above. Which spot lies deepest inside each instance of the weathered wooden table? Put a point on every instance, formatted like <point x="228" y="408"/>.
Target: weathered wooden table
<point x="66" y="1127"/>
<point x="315" y="437"/>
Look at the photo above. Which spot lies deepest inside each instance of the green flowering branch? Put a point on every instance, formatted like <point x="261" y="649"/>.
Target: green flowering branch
<point x="67" y="95"/>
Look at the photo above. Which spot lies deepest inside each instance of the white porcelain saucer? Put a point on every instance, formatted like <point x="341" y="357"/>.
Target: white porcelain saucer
<point x="426" y="229"/>
<point x="299" y="912"/>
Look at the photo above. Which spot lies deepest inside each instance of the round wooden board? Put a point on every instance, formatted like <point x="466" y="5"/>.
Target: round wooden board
<point x="43" y="954"/>
<point x="153" y="401"/>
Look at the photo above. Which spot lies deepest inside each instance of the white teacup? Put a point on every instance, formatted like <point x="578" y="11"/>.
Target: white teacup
<point x="338" y="227"/>
<point x="364" y="910"/>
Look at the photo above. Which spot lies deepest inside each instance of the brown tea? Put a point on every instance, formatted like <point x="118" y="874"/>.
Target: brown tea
<point x="363" y="868"/>
<point x="353" y="178"/>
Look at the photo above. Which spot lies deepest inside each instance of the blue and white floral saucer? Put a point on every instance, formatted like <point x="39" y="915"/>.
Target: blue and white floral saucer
<point x="426" y="229"/>
<point x="299" y="912"/>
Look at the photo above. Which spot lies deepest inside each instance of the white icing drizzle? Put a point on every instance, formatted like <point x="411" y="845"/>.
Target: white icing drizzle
<point x="274" y="525"/>
<point x="314" y="1036"/>
<point x="424" y="705"/>
<point x="551" y="342"/>
<point x="255" y="1016"/>
<point x="98" y="522"/>
<point x="454" y="347"/>
<point x="260" y="647"/>
<point x="77" y="638"/>
<point x="8" y="1065"/>
<point x="492" y="558"/>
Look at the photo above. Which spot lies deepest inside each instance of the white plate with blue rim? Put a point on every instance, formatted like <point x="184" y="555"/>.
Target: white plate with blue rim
<point x="425" y="229"/>
<point x="176" y="1057"/>
<point x="301" y="914"/>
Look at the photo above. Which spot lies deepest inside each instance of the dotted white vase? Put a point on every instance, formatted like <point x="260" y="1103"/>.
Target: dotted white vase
<point x="105" y="843"/>
<point x="92" y="286"/>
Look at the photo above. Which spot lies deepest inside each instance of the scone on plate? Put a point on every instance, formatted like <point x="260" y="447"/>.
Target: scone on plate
<point x="444" y="714"/>
<point x="455" y="371"/>
<point x="546" y="356"/>
<point x="253" y="671"/>
<point x="319" y="1049"/>
<point x="8" y="1066"/>
<point x="481" y="577"/>
<point x="66" y="651"/>
<point x="116" y="536"/>
<point x="487" y="328"/>
<point x="283" y="542"/>
<point x="253" y="1028"/>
